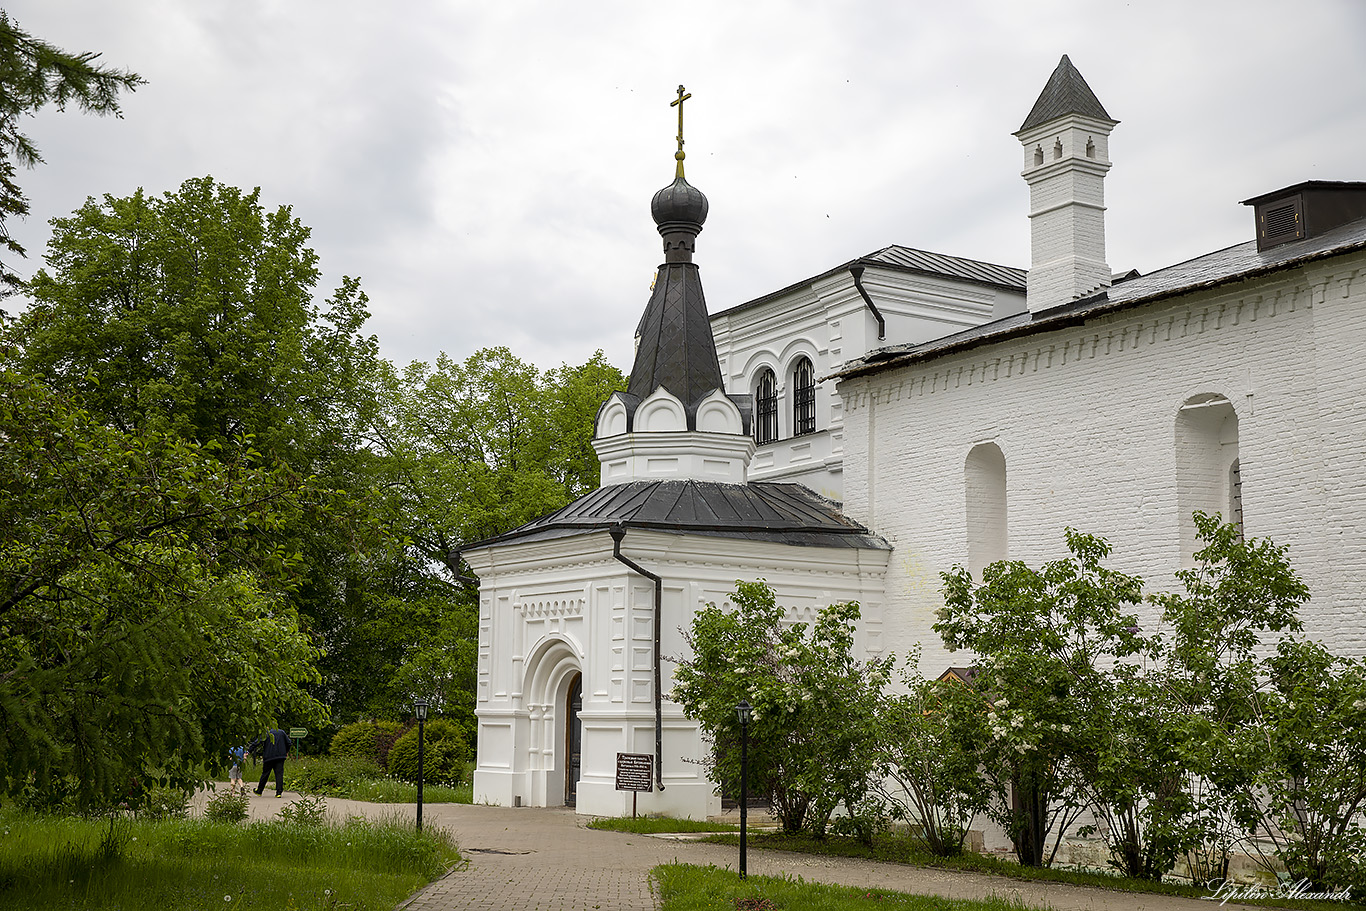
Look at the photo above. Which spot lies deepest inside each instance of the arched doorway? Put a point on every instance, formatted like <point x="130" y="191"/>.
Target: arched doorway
<point x="553" y="692"/>
<point x="573" y="740"/>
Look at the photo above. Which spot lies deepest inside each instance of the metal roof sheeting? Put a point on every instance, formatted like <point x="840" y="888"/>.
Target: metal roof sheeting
<point x="909" y="259"/>
<point x="951" y="266"/>
<point x="1237" y="263"/>
<point x="761" y="511"/>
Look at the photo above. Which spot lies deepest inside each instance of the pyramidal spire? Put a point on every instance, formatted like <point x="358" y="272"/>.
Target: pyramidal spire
<point x="1066" y="93"/>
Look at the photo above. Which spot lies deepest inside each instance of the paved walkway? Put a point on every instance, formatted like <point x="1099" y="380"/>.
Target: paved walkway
<point x="530" y="859"/>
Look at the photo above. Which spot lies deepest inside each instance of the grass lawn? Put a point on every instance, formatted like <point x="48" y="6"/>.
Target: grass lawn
<point x="901" y="849"/>
<point x="650" y="825"/>
<point x="60" y="862"/>
<point x="688" y="888"/>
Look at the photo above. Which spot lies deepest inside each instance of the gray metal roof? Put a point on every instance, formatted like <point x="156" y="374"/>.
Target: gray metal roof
<point x="760" y="511"/>
<point x="1233" y="264"/>
<point x="1065" y="93"/>
<point x="950" y="266"/>
<point x="908" y="259"/>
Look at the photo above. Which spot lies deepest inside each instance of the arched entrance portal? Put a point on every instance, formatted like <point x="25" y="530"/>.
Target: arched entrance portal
<point x="554" y="696"/>
<point x="573" y="740"/>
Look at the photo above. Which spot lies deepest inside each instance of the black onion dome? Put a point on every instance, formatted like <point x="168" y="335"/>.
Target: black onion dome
<point x="680" y="201"/>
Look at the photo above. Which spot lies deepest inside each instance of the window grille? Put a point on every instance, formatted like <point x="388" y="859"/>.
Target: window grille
<point x="803" y="398"/>
<point x="766" y="402"/>
<point x="1235" y="496"/>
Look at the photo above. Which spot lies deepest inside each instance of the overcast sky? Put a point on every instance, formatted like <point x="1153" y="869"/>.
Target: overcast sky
<point x="487" y="167"/>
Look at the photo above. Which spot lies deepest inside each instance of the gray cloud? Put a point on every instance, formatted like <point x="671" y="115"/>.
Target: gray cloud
<point x="487" y="168"/>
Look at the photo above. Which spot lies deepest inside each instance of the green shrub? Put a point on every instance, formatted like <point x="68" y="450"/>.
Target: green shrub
<point x="444" y="755"/>
<point x="55" y="796"/>
<point x="335" y="776"/>
<point x="164" y="803"/>
<point x="367" y="740"/>
<point x="227" y="806"/>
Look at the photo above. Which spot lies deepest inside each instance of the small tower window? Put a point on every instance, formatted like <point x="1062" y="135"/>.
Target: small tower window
<point x="1038" y="154"/>
<point x="1057" y="149"/>
<point x="766" y="403"/>
<point x="1090" y="148"/>
<point x="803" y="398"/>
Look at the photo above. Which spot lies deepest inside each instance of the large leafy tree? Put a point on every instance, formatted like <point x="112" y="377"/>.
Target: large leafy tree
<point x="467" y="449"/>
<point x="34" y="74"/>
<point x="134" y="643"/>
<point x="192" y="314"/>
<point x="477" y="447"/>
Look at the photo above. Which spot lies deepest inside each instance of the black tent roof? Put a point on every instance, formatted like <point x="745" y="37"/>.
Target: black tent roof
<point x="758" y="511"/>
<point x="1066" y="93"/>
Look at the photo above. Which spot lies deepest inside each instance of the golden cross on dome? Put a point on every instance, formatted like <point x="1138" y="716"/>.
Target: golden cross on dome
<point x="683" y="95"/>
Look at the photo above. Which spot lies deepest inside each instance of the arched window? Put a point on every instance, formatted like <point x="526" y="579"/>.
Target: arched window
<point x="803" y="398"/>
<point x="766" y="406"/>
<point x="985" y="486"/>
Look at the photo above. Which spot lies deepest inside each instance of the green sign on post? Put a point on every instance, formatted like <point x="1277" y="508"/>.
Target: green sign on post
<point x="295" y="735"/>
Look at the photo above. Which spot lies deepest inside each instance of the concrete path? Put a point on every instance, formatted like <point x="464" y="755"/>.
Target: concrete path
<point x="530" y="858"/>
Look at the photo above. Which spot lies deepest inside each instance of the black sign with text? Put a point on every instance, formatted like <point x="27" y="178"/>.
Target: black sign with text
<point x="635" y="772"/>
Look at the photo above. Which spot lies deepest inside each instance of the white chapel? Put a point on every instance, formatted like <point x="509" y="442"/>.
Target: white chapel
<point x="852" y="435"/>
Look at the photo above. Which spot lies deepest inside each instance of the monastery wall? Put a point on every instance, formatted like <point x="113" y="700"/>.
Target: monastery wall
<point x="1090" y="426"/>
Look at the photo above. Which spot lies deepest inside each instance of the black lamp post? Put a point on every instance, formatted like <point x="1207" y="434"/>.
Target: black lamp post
<point x="745" y="713"/>
<point x="420" y="707"/>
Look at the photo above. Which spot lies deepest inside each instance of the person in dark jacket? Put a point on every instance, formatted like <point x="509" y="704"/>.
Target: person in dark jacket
<point x="274" y="747"/>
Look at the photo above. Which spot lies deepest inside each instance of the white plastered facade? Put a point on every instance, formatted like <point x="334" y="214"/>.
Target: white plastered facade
<point x="555" y="608"/>
<point x="826" y="320"/>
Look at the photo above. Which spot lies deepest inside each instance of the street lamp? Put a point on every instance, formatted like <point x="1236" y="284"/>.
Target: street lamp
<point x="420" y="707"/>
<point x="745" y="713"/>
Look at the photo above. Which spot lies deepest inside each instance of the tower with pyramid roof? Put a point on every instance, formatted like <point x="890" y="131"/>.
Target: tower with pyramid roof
<point x="1066" y="142"/>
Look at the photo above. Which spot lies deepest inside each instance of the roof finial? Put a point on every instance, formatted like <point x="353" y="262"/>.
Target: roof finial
<point x="678" y="103"/>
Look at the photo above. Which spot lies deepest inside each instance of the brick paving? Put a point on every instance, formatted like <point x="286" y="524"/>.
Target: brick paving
<point x="529" y="859"/>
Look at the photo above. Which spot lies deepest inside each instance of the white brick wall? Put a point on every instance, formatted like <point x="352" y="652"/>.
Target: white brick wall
<point x="1086" y="418"/>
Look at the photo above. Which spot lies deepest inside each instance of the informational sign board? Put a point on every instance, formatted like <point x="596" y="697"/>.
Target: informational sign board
<point x="297" y="733"/>
<point x="635" y="772"/>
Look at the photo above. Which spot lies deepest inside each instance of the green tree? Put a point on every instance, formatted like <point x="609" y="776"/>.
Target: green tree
<point x="477" y="447"/>
<point x="467" y="450"/>
<point x="193" y="314"/>
<point x="131" y="647"/>
<point x="1312" y="724"/>
<point x="1134" y="775"/>
<point x="1041" y="637"/>
<point x="1240" y="594"/>
<point x="34" y="74"/>
<point x="930" y="758"/>
<point x="1275" y="744"/>
<point x="814" y="734"/>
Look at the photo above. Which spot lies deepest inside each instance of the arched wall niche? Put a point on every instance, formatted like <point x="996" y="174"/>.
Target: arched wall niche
<point x="984" y="484"/>
<point x="1207" y="465"/>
